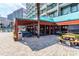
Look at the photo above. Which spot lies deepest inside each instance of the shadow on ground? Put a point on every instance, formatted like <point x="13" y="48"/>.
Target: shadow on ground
<point x="39" y="43"/>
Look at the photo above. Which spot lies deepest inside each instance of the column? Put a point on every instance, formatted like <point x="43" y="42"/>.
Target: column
<point x="45" y="29"/>
<point x="58" y="9"/>
<point x="16" y="32"/>
<point x="49" y="29"/>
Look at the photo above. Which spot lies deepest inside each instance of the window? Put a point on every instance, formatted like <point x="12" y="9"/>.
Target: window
<point x="65" y="10"/>
<point x="41" y="4"/>
<point x="74" y="7"/>
<point x="60" y="3"/>
<point x="44" y="10"/>
<point x="53" y="14"/>
<point x="33" y="16"/>
<point x="51" y="6"/>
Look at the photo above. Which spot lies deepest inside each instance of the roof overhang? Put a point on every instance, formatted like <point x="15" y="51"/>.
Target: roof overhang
<point x="28" y="22"/>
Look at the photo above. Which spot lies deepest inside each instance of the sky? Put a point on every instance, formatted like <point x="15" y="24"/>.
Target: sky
<point x="7" y="8"/>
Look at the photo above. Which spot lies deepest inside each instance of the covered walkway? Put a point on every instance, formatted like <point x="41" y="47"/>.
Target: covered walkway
<point x="46" y="28"/>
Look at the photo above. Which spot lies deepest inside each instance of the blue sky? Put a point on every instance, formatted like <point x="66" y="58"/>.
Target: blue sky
<point x="7" y="8"/>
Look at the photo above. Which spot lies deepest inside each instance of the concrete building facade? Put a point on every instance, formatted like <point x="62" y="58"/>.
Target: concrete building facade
<point x="52" y="9"/>
<point x="5" y="24"/>
<point x="59" y="18"/>
<point x="20" y="13"/>
<point x="62" y="14"/>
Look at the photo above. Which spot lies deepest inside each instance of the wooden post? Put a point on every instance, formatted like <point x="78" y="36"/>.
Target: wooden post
<point x="34" y="29"/>
<point x="54" y="29"/>
<point x="60" y="28"/>
<point x="16" y="32"/>
<point x="49" y="29"/>
<point x="45" y="30"/>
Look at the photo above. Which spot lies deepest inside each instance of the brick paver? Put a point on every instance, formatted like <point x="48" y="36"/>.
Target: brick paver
<point x="46" y="45"/>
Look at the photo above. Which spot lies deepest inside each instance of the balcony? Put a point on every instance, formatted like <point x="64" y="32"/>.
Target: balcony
<point x="71" y="16"/>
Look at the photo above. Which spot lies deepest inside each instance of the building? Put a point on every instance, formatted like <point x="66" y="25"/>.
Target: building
<point x="63" y="14"/>
<point x="5" y="24"/>
<point x="52" y="9"/>
<point x="20" y="13"/>
<point x="31" y="10"/>
<point x="54" y="18"/>
<point x="59" y="12"/>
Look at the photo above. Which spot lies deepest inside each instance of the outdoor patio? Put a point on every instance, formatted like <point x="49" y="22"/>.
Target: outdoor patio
<point x="44" y="46"/>
<point x="40" y="43"/>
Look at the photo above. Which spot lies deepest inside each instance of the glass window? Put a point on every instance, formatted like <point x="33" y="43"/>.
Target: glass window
<point x="65" y="10"/>
<point x="74" y="7"/>
<point x="33" y="15"/>
<point x="53" y="14"/>
<point x="60" y="3"/>
<point x="51" y="6"/>
<point x="41" y="4"/>
<point x="44" y="10"/>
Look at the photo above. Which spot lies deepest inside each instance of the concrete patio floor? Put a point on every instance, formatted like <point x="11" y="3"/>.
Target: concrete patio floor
<point x="44" y="46"/>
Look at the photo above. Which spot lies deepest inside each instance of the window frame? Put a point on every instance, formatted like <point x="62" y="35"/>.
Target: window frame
<point x="64" y="9"/>
<point x="76" y="5"/>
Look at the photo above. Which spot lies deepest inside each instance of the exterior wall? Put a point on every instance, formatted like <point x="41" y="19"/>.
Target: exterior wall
<point x="67" y="17"/>
<point x="56" y="11"/>
<point x="20" y="13"/>
<point x="44" y="9"/>
<point x="10" y="16"/>
<point x="59" y="12"/>
<point x="5" y="24"/>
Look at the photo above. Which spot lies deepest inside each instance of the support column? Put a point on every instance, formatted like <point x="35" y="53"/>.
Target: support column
<point x="34" y="29"/>
<point x="49" y="29"/>
<point x="16" y="33"/>
<point x="54" y="29"/>
<point x="60" y="28"/>
<point x="58" y="9"/>
<point x="38" y="35"/>
<point x="45" y="30"/>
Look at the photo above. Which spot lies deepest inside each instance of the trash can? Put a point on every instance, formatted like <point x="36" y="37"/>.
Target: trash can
<point x="19" y="35"/>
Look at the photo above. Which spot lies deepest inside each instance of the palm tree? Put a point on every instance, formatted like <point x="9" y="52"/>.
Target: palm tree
<point x="38" y="18"/>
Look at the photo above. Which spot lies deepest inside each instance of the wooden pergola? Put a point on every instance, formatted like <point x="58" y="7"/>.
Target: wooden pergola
<point x="32" y="23"/>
